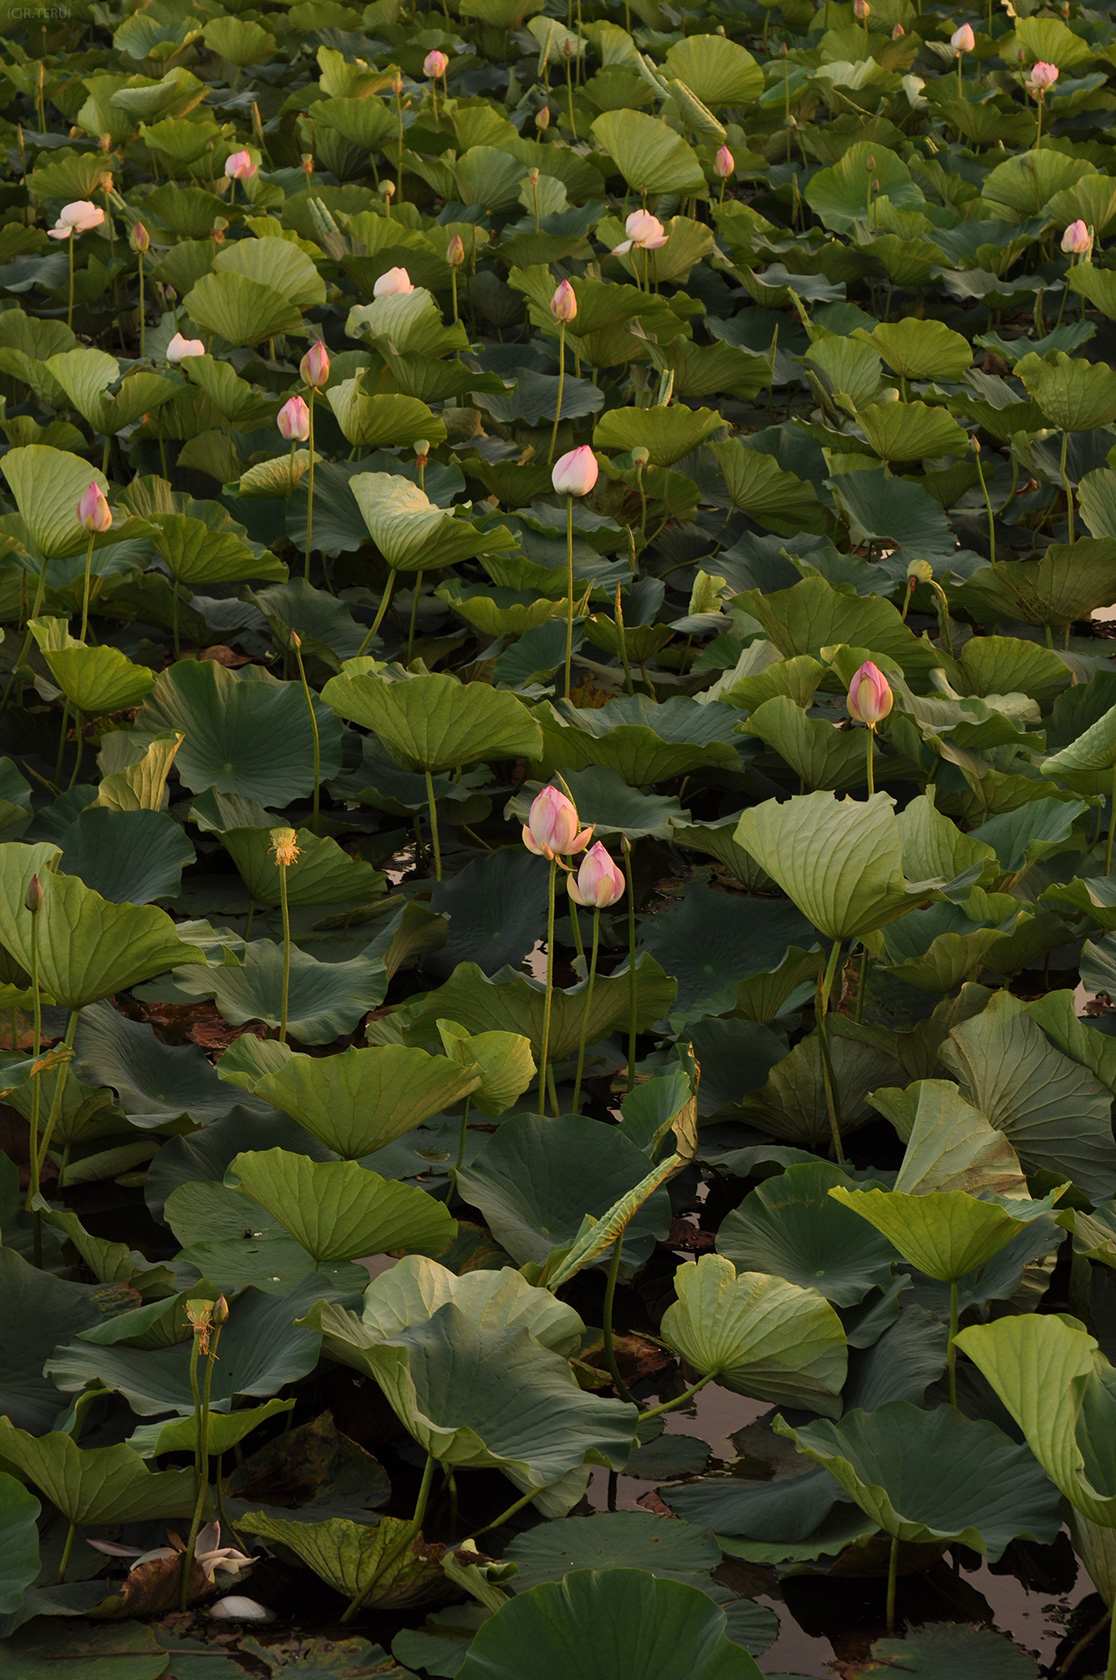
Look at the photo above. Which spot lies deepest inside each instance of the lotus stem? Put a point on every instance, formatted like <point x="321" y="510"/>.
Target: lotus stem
<point x="544" y="1050"/>
<point x="310" y="492"/>
<point x="36" y="1089"/>
<point x="569" y="594"/>
<point x="1110" y="1670"/>
<point x="70" y="305"/>
<point x="59" y="1092"/>
<point x="296" y="643"/>
<point x="66" y="1551"/>
<point x="561" y="386"/>
<point x="988" y="506"/>
<point x="831" y="1101"/>
<point x="679" y="1400"/>
<point x="633" y="998"/>
<point x="870" y="732"/>
<point x="1066" y="483"/>
<point x="79" y="732"/>
<point x="201" y="1414"/>
<point x="62" y="733"/>
<point x="432" y="807"/>
<point x="461" y="1145"/>
<point x="618" y="1382"/>
<point x="407" y="1538"/>
<point x="1111" y="826"/>
<point x="588" y="1011"/>
<point x="507" y="1515"/>
<point x="951" y="1355"/>
<point x="286" y="914"/>
<point x="416" y="593"/>
<point x="622" y="638"/>
<point x="142" y="311"/>
<point x="379" y="618"/>
<point x="569" y="95"/>
<point x="642" y="500"/>
<point x="892" y="1581"/>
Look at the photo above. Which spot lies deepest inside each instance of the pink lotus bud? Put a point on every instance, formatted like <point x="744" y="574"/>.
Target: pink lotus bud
<point x="179" y="348"/>
<point x="139" y="239"/>
<point x="78" y="217"/>
<point x="898" y="32"/>
<point x="293" y="420"/>
<point x="239" y="166"/>
<point x="1042" y="77"/>
<point x="435" y="64"/>
<point x="1077" y="241"/>
<point x="963" y="40"/>
<point x="455" y="252"/>
<point x="393" y="284"/>
<point x="723" y="163"/>
<point x="870" y="697"/>
<point x="576" y="473"/>
<point x="552" y="825"/>
<point x="598" y="883"/>
<point x="542" y="117"/>
<point x="35" y="896"/>
<point x="861" y="10"/>
<point x="644" y="231"/>
<point x="93" y="510"/>
<point x="314" y="366"/>
<point x="563" y="305"/>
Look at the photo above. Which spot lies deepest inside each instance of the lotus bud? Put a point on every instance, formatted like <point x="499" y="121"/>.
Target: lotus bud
<point x="139" y="239"/>
<point x="296" y="640"/>
<point x="1077" y="241"/>
<point x="293" y="420"/>
<point x="875" y="183"/>
<point x="870" y="162"/>
<point x="963" y="40"/>
<point x="220" y="1312"/>
<point x="395" y="283"/>
<point x="284" y="845"/>
<point x="422" y="451"/>
<point x="640" y="455"/>
<point x="435" y="64"/>
<point x="563" y="305"/>
<point x="455" y="252"/>
<point x="234" y="1609"/>
<point x="552" y="825"/>
<point x="898" y="32"/>
<point x="93" y="510"/>
<point x="575" y="474"/>
<point x="599" y="883"/>
<point x="397" y="86"/>
<point x="314" y="367"/>
<point x="239" y="166"/>
<point x="1042" y="77"/>
<point x="179" y="348"/>
<point x="34" y="899"/>
<point x="861" y="10"/>
<point x="723" y="163"/>
<point x="542" y="117"/>
<point x="870" y="697"/>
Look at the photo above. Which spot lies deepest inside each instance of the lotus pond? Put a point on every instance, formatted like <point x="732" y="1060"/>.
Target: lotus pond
<point x="557" y="801"/>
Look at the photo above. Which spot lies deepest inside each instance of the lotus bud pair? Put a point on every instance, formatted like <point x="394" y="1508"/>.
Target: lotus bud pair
<point x="553" y="827"/>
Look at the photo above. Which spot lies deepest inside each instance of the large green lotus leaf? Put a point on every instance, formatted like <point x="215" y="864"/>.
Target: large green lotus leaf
<point x="1095" y="284"/>
<point x="411" y="323"/>
<point x="1007" y="664"/>
<point x="758" y="1335"/>
<point x="1061" y="1391"/>
<point x="350" y="1557"/>
<point x="608" y="1624"/>
<point x="19" y="1542"/>
<point x="126" y="856"/>
<point x="95" y="680"/>
<point x="1076" y="396"/>
<point x="414" y="1290"/>
<point x="847" y="367"/>
<point x="941" y="1648"/>
<point x="934" y="848"/>
<point x="791" y="1228"/>
<point x="1087" y="763"/>
<point x="820" y="756"/>
<point x="94" y="1484"/>
<point x="536" y="1179"/>
<point x="840" y="194"/>
<point x="88" y="948"/>
<point x="814" y="615"/>
<point x="154" y="1082"/>
<point x="840" y="861"/>
<point x="434" y="722"/>
<point x="322" y="873"/>
<point x="39" y="1312"/>
<point x="945" y="1233"/>
<point x="242" y="1248"/>
<point x="651" y="157"/>
<point x="717" y="70"/>
<point x="922" y="349"/>
<point x="1068" y="582"/>
<point x="792" y="1105"/>
<point x="130" y="783"/>
<point x="1096" y="497"/>
<point x="950" y="1144"/>
<point x="412" y="533"/>
<point x="1027" y="182"/>
<point x="666" y="433"/>
<point x="788" y="1509"/>
<point x="363" y="1099"/>
<point x="477" y="1396"/>
<point x="198" y="556"/>
<point x="766" y="492"/>
<point x="882" y="508"/>
<point x="47" y="485"/>
<point x="1055" y="1113"/>
<point x="325" y="999"/>
<point x="261" y="1350"/>
<point x="514" y="1003"/>
<point x="226" y="1430"/>
<point x="338" y="1210"/>
<point x="380" y="420"/>
<point x="241" y="310"/>
<point x="242" y="735"/>
<point x="503" y="1059"/>
<point x="676" y="1551"/>
<point x="932" y="1478"/>
<point x="710" y="941"/>
<point x="276" y="263"/>
<point x="908" y="431"/>
<point x="239" y="43"/>
<point x="633" y="751"/>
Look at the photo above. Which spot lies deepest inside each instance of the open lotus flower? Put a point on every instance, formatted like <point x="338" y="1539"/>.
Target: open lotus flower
<point x="179" y="348"/>
<point x="870" y="697"/>
<point x="208" y="1552"/>
<point x="78" y="217"/>
<point x="598" y="883"/>
<point x="394" y="283"/>
<point x="645" y="233"/>
<point x="552" y="826"/>
<point x="963" y="40"/>
<point x="239" y="166"/>
<point x="575" y="473"/>
<point x="1042" y="77"/>
<point x="435" y="63"/>
<point x="293" y="420"/>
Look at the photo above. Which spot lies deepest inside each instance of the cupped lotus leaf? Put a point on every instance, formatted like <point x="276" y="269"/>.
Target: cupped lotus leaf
<point x="758" y="1335"/>
<point x="383" y="419"/>
<point x="47" y="485"/>
<point x="237" y="41"/>
<point x="19" y="1542"/>
<point x="241" y="310"/>
<point x="1007" y="664"/>
<point x="226" y="1430"/>
<point x="198" y="556"/>
<point x="934" y="848"/>
<point x="1090" y="759"/>
<point x="140" y="781"/>
<point x="504" y="1059"/>
<point x="95" y="680"/>
<point x="950" y="1144"/>
<point x="415" y="1289"/>
<point x="922" y="349"/>
<point x="238" y="1247"/>
<point x="717" y="70"/>
<point x="1069" y="582"/>
<point x="362" y="1099"/>
<point x="410" y="323"/>
<point x="840" y="861"/>
<point x="85" y="376"/>
<point x="322" y="873"/>
<point x="246" y="735"/>
<point x="127" y="856"/>
<point x="434" y="722"/>
<point x="791" y="1228"/>
<point x="666" y="433"/>
<point x="840" y="194"/>
<point x="412" y="532"/>
<point x="935" y="1478"/>
<point x="94" y="1484"/>
<point x="88" y="948"/>
<point x="908" y="431"/>
<point x="820" y="756"/>
<point x="338" y="1210"/>
<point x="325" y="998"/>
<point x="1076" y="396"/>
<point x="276" y="263"/>
<point x="154" y="1082"/>
<point x="356" y="1559"/>
<point x="1027" y="182"/>
<point x="945" y="1233"/>
<point x="766" y="492"/>
<point x="534" y="1423"/>
<point x="814" y="614"/>
<point x="651" y="156"/>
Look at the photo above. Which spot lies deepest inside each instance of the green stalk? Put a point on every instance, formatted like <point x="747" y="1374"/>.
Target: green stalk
<point x="59" y="1092"/>
<point x="85" y="591"/>
<point x="201" y="1414"/>
<point x="432" y="807"/>
<point x="506" y="1516"/>
<point x="618" y="1382"/>
<point x="379" y="618"/>
<point x="284" y="908"/>
<point x="461" y="1145"/>
<point x="951" y="1356"/>
<point x="414" y="617"/>
<point x="871" y="735"/>
<point x="561" y="384"/>
<point x="588" y="1011"/>
<point x="1111" y="827"/>
<point x="310" y="492"/>
<point x="36" y="1091"/>
<point x="892" y="1582"/>
<point x="1110" y="1671"/>
<point x="827" y="1066"/>
<point x="680" y="1400"/>
<point x="296" y="643"/>
<point x="1066" y="483"/>
<point x="143" y="321"/>
<point x="626" y="848"/>
<point x="622" y="637"/>
<point x="988" y="506"/>
<point x="66" y="1550"/>
<point x="544" y="1051"/>
<point x="70" y="307"/>
<point x="569" y="592"/>
<point x="410" y="1533"/>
